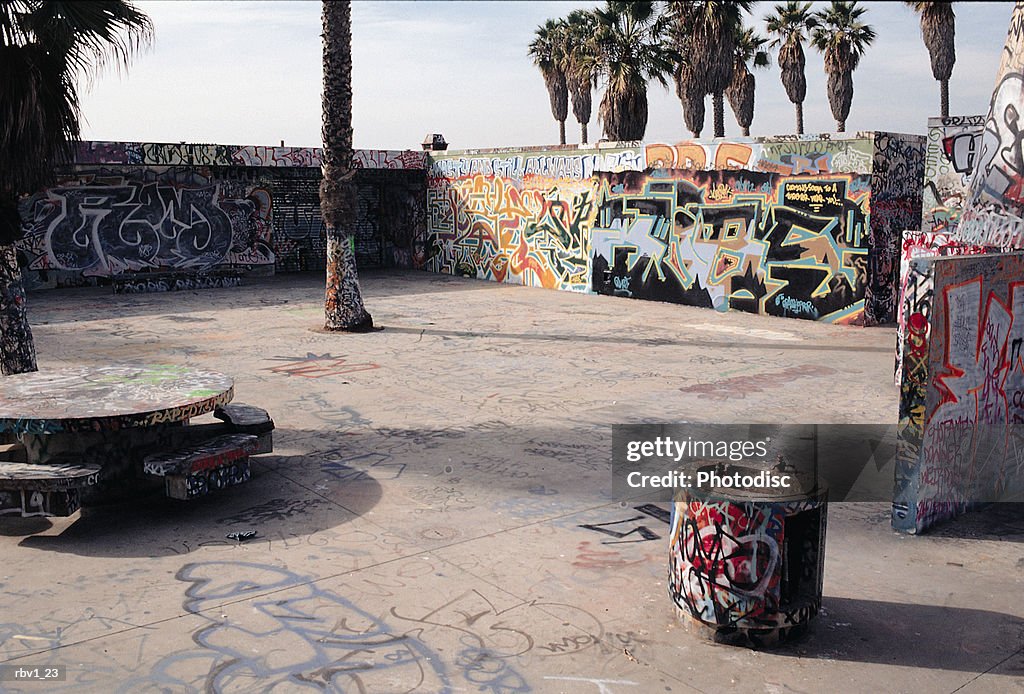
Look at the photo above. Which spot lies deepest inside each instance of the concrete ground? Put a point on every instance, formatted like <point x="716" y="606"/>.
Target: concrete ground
<point x="419" y="523"/>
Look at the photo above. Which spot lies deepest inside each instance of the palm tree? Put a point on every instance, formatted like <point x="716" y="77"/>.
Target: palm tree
<point x="631" y="50"/>
<point x="45" y="48"/>
<point x="789" y="25"/>
<point x="938" y="27"/>
<point x="547" y="53"/>
<point x="749" y="51"/>
<point x="842" y="37"/>
<point x="691" y="99"/>
<point x="579" y="66"/>
<point x="343" y="303"/>
<point x="708" y="30"/>
<point x="690" y="96"/>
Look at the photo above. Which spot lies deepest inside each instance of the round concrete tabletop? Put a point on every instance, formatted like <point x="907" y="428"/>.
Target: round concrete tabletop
<point x="103" y="398"/>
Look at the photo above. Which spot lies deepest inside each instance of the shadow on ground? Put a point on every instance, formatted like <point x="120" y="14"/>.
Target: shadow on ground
<point x="288" y="290"/>
<point x="1001" y="521"/>
<point x="154" y="525"/>
<point x="648" y="342"/>
<point x="910" y="635"/>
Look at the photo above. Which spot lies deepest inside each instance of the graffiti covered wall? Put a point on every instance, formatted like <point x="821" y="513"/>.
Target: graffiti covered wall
<point x="994" y="209"/>
<point x="953" y="146"/>
<point x="775" y="226"/>
<point x="124" y="207"/>
<point x="962" y="399"/>
<point x="518" y="217"/>
<point x="105" y="221"/>
<point x="754" y="241"/>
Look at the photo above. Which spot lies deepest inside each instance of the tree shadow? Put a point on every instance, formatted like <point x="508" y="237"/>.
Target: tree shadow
<point x="71" y="304"/>
<point x="153" y="525"/>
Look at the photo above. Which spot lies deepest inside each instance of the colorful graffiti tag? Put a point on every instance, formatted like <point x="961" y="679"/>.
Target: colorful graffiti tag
<point x="126" y="207"/>
<point x="962" y="398"/>
<point x="994" y="211"/>
<point x="755" y="567"/>
<point x="953" y="147"/>
<point x="517" y="218"/>
<point x="103" y="223"/>
<point x="962" y="323"/>
<point x="782" y="227"/>
<point x="753" y="241"/>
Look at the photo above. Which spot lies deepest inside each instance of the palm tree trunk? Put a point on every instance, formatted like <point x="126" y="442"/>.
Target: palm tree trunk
<point x="561" y="132"/>
<point x="583" y="133"/>
<point x="800" y="118"/>
<point x="840" y="126"/>
<point x="343" y="302"/>
<point x="719" y="101"/>
<point x="17" y="351"/>
<point x="944" y="88"/>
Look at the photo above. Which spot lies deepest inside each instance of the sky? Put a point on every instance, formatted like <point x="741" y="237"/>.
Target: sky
<point x="250" y="73"/>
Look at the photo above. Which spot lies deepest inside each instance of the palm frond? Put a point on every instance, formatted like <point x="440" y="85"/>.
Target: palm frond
<point x="45" y="47"/>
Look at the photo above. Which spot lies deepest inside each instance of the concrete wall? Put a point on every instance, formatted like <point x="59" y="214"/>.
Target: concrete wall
<point x="962" y="390"/>
<point x="993" y="213"/>
<point x="804" y="228"/>
<point x="128" y="207"/>
<point x="954" y="145"/>
<point x="962" y="322"/>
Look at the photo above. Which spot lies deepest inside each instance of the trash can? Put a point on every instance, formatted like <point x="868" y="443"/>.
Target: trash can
<point x="746" y="567"/>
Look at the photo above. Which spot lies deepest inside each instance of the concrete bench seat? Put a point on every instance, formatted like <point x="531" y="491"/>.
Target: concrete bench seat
<point x="196" y="470"/>
<point x="43" y="490"/>
<point x="248" y="419"/>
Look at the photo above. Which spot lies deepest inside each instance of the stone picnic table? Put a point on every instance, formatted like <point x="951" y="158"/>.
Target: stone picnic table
<point x="107" y="429"/>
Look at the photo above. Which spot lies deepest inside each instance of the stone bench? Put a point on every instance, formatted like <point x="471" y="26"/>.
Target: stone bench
<point x="208" y="466"/>
<point x="147" y="282"/>
<point x="248" y="419"/>
<point x="53" y="489"/>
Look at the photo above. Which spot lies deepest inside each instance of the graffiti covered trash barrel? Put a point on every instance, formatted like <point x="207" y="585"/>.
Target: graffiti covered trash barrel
<point x="746" y="567"/>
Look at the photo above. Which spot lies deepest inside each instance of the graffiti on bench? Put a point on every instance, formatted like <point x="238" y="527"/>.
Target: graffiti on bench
<point x="210" y="466"/>
<point x="43" y="490"/>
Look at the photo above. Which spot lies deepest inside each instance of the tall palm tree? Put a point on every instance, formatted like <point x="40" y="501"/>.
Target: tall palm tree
<point x="632" y="50"/>
<point x="692" y="100"/>
<point x="709" y="29"/>
<point x="546" y="49"/>
<point x="789" y="25"/>
<point x="938" y="27"/>
<point x="842" y="37"/>
<point x="46" y="47"/>
<point x="690" y="95"/>
<point x="749" y="52"/>
<point x="343" y="303"/>
<point x="579" y="65"/>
